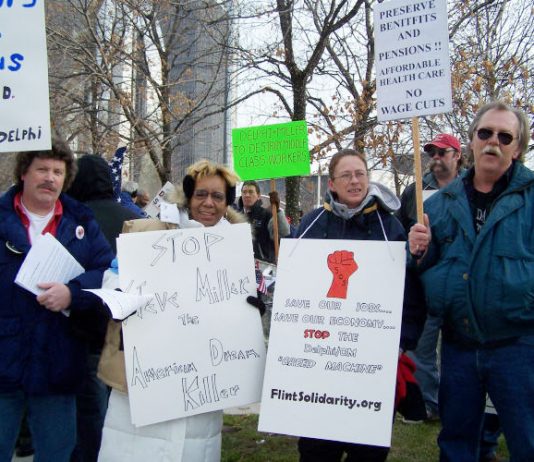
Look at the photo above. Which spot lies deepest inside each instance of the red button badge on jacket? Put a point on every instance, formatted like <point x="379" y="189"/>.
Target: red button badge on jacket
<point x="80" y="232"/>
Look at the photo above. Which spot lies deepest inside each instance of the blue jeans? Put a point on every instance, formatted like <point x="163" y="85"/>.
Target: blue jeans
<point x="506" y="373"/>
<point x="490" y="435"/>
<point x="91" y="406"/>
<point x="425" y="357"/>
<point x="52" y="421"/>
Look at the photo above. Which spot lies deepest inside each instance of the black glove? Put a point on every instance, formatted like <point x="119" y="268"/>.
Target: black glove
<point x="275" y="199"/>
<point x="257" y="302"/>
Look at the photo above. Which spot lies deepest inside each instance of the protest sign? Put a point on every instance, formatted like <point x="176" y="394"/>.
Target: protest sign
<point x="271" y="151"/>
<point x="413" y="75"/>
<point x="197" y="346"/>
<point x="334" y="339"/>
<point x="152" y="209"/>
<point x="25" y="114"/>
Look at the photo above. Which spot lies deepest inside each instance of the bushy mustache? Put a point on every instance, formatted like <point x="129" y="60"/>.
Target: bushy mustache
<point x="437" y="163"/>
<point x="492" y="150"/>
<point x="48" y="186"/>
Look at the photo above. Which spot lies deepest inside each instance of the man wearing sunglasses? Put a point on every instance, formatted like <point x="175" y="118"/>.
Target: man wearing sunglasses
<point x="475" y="254"/>
<point x="445" y="155"/>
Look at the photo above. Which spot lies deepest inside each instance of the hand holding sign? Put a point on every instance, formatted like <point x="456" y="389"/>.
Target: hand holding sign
<point x="342" y="265"/>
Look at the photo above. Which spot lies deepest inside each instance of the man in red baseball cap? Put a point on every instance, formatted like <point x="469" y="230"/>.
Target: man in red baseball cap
<point x="444" y="141"/>
<point x="445" y="161"/>
<point x="445" y="154"/>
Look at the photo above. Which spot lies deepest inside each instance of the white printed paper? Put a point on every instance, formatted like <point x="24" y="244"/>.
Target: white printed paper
<point x="169" y="213"/>
<point x="47" y="261"/>
<point x="119" y="303"/>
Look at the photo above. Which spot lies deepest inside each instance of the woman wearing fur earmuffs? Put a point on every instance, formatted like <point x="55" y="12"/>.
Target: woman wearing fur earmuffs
<point x="206" y="198"/>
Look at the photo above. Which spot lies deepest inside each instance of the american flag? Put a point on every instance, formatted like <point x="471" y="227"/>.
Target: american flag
<point x="115" y="165"/>
<point x="260" y="280"/>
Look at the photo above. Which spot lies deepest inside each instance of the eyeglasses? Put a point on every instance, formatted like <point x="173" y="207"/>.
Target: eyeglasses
<point x="347" y="176"/>
<point x="202" y="195"/>
<point x="504" y="137"/>
<point x="440" y="152"/>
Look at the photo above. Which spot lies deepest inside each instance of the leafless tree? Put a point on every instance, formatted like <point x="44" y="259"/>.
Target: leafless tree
<point x="287" y="59"/>
<point x="137" y="72"/>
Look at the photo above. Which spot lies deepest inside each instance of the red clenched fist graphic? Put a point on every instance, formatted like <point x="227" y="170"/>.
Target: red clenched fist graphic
<point x="342" y="265"/>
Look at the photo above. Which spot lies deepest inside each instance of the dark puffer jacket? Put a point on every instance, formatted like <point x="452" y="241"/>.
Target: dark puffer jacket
<point x="40" y="353"/>
<point x="259" y="217"/>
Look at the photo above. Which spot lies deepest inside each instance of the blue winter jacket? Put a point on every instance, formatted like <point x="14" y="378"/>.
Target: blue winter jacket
<point x="39" y="353"/>
<point x="482" y="285"/>
<point x="366" y="226"/>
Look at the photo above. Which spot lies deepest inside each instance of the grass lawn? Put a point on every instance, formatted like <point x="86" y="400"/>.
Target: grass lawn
<point x="242" y="443"/>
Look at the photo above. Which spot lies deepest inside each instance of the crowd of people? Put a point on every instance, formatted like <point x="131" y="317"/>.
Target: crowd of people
<point x="468" y="306"/>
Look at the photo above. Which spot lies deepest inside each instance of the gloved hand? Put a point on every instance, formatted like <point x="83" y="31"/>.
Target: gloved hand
<point x="257" y="302"/>
<point x="114" y="266"/>
<point x="275" y="199"/>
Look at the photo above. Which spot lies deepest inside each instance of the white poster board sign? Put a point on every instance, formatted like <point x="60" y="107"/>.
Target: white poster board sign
<point x="25" y="113"/>
<point x="334" y="340"/>
<point x="413" y="76"/>
<point x="197" y="346"/>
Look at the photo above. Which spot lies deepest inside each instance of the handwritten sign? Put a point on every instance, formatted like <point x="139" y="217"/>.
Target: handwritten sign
<point x="334" y="339"/>
<point x="197" y="345"/>
<point x="271" y="151"/>
<point x="25" y="112"/>
<point x="413" y="75"/>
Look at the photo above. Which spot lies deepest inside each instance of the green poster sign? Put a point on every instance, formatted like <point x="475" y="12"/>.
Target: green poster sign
<point x="271" y="151"/>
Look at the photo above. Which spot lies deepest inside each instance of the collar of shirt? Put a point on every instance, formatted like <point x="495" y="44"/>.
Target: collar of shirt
<point x="51" y="226"/>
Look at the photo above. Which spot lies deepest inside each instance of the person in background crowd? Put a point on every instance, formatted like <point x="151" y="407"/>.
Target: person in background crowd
<point x="93" y="187"/>
<point x="445" y="163"/>
<point x="43" y="360"/>
<point x="129" y="196"/>
<point x="209" y="191"/>
<point x="142" y="198"/>
<point x="474" y="254"/>
<point x="356" y="208"/>
<point x="261" y="220"/>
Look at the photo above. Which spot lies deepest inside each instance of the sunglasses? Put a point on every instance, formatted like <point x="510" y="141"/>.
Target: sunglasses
<point x="503" y="137"/>
<point x="440" y="152"/>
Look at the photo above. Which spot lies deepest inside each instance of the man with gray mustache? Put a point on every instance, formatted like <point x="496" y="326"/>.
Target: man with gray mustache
<point x="475" y="255"/>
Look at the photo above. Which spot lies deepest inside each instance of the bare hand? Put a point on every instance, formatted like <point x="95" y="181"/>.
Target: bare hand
<point x="419" y="237"/>
<point x="56" y="296"/>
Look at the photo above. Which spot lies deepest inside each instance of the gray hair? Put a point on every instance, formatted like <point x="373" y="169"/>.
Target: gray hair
<point x="523" y="132"/>
<point x="130" y="187"/>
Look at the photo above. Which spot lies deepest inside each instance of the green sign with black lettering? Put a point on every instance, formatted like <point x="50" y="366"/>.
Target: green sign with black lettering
<point x="271" y="151"/>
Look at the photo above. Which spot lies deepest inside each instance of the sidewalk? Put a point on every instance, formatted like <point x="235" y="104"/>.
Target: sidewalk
<point x="243" y="410"/>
